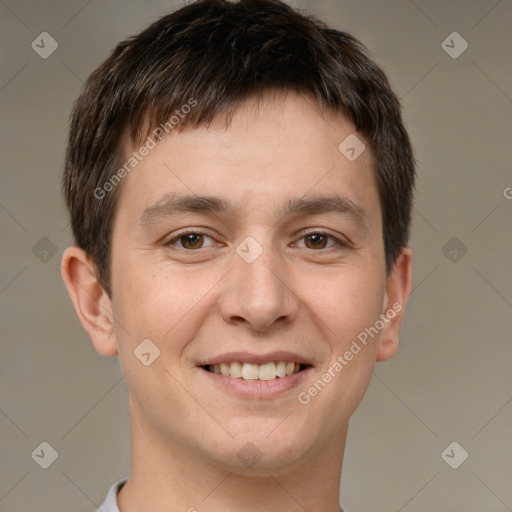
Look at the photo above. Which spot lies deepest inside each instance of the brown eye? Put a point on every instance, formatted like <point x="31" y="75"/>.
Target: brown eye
<point x="316" y="241"/>
<point x="192" y="241"/>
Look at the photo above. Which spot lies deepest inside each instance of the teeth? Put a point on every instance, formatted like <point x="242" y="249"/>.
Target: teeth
<point x="251" y="371"/>
<point x="281" y="369"/>
<point x="235" y="372"/>
<point x="268" y="371"/>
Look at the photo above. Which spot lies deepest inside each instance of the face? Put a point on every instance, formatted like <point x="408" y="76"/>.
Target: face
<point x="258" y="246"/>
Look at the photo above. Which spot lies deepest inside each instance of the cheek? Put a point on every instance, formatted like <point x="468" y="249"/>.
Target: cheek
<point x="160" y="305"/>
<point x="345" y="302"/>
<point x="352" y="304"/>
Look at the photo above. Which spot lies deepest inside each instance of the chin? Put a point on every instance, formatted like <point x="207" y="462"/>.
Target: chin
<point x="258" y="454"/>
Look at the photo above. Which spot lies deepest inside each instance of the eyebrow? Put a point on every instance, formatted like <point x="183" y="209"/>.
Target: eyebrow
<point x="173" y="203"/>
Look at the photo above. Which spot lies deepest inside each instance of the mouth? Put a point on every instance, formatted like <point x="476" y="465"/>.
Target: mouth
<point x="252" y="376"/>
<point x="271" y="370"/>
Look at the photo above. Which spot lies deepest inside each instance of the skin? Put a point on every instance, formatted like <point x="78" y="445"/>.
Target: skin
<point x="195" y="304"/>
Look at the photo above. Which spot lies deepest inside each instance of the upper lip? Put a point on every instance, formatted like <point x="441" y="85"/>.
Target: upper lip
<point x="250" y="357"/>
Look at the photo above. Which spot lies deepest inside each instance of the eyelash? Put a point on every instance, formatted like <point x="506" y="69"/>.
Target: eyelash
<point x="176" y="238"/>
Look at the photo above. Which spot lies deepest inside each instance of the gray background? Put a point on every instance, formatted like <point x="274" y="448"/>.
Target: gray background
<point x="452" y="378"/>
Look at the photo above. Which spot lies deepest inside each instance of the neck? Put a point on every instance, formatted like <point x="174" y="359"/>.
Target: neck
<point x="167" y="477"/>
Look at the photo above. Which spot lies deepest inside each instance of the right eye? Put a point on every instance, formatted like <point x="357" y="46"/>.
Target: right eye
<point x="191" y="240"/>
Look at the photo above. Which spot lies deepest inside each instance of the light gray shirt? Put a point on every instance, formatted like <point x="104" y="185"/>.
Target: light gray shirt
<point x="110" y="503"/>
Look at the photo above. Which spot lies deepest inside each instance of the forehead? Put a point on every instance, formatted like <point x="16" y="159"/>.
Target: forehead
<point x="273" y="149"/>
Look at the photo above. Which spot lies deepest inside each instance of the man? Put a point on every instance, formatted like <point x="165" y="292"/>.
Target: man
<point x="240" y="186"/>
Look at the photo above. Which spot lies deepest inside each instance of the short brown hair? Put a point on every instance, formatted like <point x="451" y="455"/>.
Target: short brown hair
<point x="221" y="53"/>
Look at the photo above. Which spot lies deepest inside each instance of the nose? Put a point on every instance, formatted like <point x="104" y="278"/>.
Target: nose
<point x="259" y="295"/>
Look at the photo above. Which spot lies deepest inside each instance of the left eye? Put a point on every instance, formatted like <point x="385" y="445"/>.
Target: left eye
<point x="319" y="240"/>
<point x="191" y="240"/>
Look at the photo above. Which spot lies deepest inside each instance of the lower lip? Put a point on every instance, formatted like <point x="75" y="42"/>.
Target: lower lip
<point x="257" y="389"/>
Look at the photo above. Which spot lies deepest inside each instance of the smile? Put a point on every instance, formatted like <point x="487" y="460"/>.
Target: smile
<point x="251" y="371"/>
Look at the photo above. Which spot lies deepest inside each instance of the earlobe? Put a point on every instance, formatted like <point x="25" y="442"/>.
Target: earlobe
<point x="91" y="302"/>
<point x="398" y="288"/>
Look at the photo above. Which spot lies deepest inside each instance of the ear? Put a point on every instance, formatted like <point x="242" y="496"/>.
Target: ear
<point x="398" y="288"/>
<point x="92" y="304"/>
